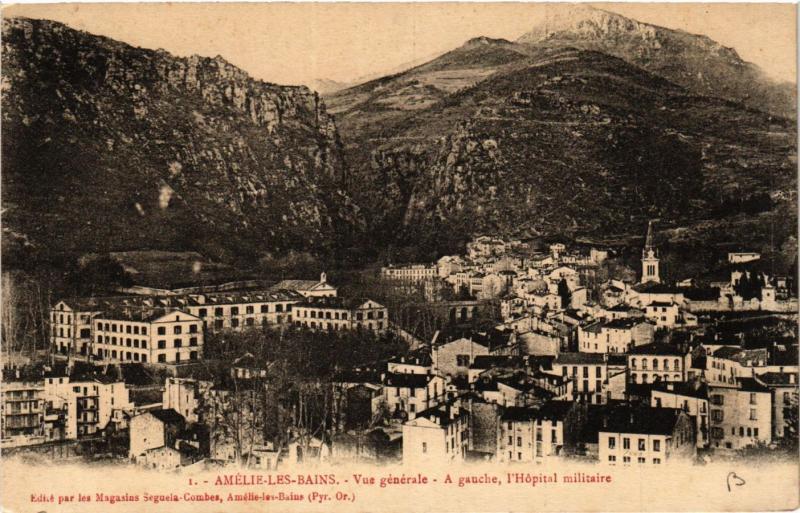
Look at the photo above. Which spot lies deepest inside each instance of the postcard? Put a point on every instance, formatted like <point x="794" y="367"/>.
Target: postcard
<point x="399" y="257"/>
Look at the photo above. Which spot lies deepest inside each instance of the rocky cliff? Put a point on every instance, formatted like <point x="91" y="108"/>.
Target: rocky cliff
<point x="110" y="147"/>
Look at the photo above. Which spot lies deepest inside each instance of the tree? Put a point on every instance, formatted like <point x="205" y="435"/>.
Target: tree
<point x="564" y="293"/>
<point x="749" y="285"/>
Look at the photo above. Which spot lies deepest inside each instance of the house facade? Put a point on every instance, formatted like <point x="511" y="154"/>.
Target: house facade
<point x="148" y="337"/>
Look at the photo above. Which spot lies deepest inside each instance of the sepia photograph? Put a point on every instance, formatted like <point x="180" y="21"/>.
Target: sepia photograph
<point x="399" y="257"/>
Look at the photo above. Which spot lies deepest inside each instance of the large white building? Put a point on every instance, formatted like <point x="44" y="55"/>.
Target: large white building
<point x="411" y="273"/>
<point x="335" y="313"/>
<point x="154" y="336"/>
<point x="244" y="310"/>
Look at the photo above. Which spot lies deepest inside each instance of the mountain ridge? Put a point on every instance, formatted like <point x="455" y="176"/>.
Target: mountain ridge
<point x="184" y="141"/>
<point x="694" y="61"/>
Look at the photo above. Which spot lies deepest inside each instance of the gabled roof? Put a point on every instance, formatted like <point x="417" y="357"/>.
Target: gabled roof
<point x="555" y="410"/>
<point x="518" y="414"/>
<point x="656" y="348"/>
<point x="752" y="385"/>
<point x="694" y="388"/>
<point x="442" y="415"/>
<point x="779" y="378"/>
<point x="580" y="359"/>
<point x="652" y="287"/>
<point x="296" y="285"/>
<point x="407" y="380"/>
<point x="624" y="324"/>
<point x="345" y="303"/>
<point x="642" y="420"/>
<point x="168" y="416"/>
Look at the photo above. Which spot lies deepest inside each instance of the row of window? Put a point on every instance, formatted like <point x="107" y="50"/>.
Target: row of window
<point x="598" y="371"/>
<point x="329" y="326"/>
<point x="626" y="443"/>
<point x="83" y="318"/>
<point x="112" y="327"/>
<point x="627" y="459"/>
<point x="719" y="415"/>
<point x="136" y="357"/>
<point x="128" y="342"/>
<point x="220" y="323"/>
<point x="665" y="366"/>
<point x="249" y="309"/>
<point x="336" y="315"/>
<point x="643" y="378"/>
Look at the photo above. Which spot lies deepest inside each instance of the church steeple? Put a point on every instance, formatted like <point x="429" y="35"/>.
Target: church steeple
<point x="649" y="240"/>
<point x="650" y="271"/>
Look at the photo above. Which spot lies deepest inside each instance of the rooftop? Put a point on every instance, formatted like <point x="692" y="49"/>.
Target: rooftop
<point x="656" y="348"/>
<point x="407" y="380"/>
<point x="638" y="419"/>
<point x="168" y="416"/>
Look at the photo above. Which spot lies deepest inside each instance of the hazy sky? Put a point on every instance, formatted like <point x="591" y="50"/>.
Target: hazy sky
<point x="296" y="43"/>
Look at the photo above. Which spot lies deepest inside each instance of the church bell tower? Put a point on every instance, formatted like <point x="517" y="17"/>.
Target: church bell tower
<point x="650" y="271"/>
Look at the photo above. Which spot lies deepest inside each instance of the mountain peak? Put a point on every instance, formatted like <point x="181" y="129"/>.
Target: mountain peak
<point x="586" y="22"/>
<point x="486" y="41"/>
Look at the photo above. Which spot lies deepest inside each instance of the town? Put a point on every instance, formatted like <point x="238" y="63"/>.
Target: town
<point x="514" y="352"/>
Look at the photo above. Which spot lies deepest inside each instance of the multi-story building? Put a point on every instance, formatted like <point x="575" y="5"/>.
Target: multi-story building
<point x="89" y="404"/>
<point x="408" y="394"/>
<point x="335" y="313"/>
<point x="244" y="310"/>
<point x="308" y="288"/>
<point x="185" y="396"/>
<point x="22" y="420"/>
<point x="411" y="273"/>
<point x="71" y="325"/>
<point x="655" y="362"/>
<point x="148" y="336"/>
<point x="645" y="436"/>
<point x="724" y="365"/>
<point x="591" y="374"/>
<point x="741" y="414"/>
<point x="691" y="397"/>
<point x="663" y="315"/>
<point x="784" y="400"/>
<point x="616" y="336"/>
<point x="533" y="434"/>
<point x="439" y="434"/>
<point x="455" y="356"/>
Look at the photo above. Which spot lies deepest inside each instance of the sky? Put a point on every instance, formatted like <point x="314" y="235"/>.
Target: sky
<point x="298" y="43"/>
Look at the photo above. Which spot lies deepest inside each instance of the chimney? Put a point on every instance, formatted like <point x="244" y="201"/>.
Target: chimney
<point x="792" y="378"/>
